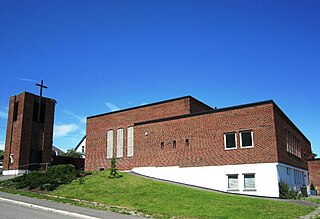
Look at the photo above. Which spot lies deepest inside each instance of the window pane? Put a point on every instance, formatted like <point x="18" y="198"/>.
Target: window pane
<point x="130" y="142"/>
<point x="246" y="139"/>
<point x="120" y="143"/>
<point x="110" y="144"/>
<point x="230" y="140"/>
<point x="249" y="181"/>
<point x="232" y="181"/>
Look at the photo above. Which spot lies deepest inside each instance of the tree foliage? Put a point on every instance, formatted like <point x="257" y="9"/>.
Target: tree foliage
<point x="72" y="153"/>
<point x="1" y="154"/>
<point x="113" y="171"/>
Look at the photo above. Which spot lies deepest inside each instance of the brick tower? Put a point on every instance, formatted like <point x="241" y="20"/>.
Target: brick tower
<point x="29" y="133"/>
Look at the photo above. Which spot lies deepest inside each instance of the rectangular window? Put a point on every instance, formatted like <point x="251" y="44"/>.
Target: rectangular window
<point x="15" y="111"/>
<point x="233" y="182"/>
<point x="120" y="143"/>
<point x="246" y="139"/>
<point x="162" y="145"/>
<point x="130" y="142"/>
<point x="174" y="144"/>
<point x="293" y="146"/>
<point x="36" y="117"/>
<point x="186" y="143"/>
<point x="110" y="144"/>
<point x="230" y="141"/>
<point x="249" y="181"/>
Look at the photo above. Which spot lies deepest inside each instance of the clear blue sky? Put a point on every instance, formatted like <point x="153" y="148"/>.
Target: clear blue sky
<point x="99" y="56"/>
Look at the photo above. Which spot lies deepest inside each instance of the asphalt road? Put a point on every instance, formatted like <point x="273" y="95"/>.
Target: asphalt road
<point x="16" y="206"/>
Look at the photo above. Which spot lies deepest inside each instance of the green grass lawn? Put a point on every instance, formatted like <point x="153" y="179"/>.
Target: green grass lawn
<point x="163" y="200"/>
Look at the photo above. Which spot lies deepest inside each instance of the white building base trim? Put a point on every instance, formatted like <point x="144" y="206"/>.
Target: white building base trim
<point x="14" y="172"/>
<point x="267" y="177"/>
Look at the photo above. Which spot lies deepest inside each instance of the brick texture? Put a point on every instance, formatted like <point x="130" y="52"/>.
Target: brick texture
<point x="97" y="127"/>
<point x="314" y="172"/>
<point x="24" y="134"/>
<point x="202" y="127"/>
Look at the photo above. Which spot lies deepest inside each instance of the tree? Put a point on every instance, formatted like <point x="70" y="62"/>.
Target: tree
<point x="1" y="154"/>
<point x="113" y="171"/>
<point x="72" y="153"/>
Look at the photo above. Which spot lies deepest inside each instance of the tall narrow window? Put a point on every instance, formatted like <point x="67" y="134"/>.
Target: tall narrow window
<point x="230" y="141"/>
<point x="15" y="111"/>
<point x="246" y="139"/>
<point x="130" y="142"/>
<point x="110" y="144"/>
<point x="186" y="144"/>
<point x="120" y="143"/>
<point x="249" y="181"/>
<point x="233" y="182"/>
<point x="174" y="144"/>
<point x="162" y="145"/>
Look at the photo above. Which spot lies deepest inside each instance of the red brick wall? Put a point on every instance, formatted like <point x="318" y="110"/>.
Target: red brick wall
<point x="314" y="172"/>
<point x="206" y="139"/>
<point x="204" y="131"/>
<point x="283" y="124"/>
<point x="26" y="132"/>
<point x="97" y="127"/>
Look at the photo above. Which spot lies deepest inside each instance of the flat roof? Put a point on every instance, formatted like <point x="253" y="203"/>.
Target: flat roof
<point x="148" y="105"/>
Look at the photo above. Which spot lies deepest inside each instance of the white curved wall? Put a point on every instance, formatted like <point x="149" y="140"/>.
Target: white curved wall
<point x="267" y="176"/>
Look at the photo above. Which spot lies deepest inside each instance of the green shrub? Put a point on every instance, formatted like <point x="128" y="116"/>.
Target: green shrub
<point x="286" y="193"/>
<point x="312" y="187"/>
<point x="113" y="171"/>
<point x="50" y="180"/>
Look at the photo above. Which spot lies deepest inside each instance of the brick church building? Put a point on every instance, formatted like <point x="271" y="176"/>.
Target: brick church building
<point x="246" y="149"/>
<point x="29" y="133"/>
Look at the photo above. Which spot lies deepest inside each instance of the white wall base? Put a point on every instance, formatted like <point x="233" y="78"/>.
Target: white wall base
<point x="14" y="172"/>
<point x="267" y="177"/>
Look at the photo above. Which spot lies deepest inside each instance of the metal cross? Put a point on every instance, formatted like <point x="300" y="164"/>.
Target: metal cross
<point x="41" y="86"/>
<point x="40" y="97"/>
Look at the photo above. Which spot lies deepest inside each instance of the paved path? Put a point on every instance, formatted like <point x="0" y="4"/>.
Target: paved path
<point x="59" y="208"/>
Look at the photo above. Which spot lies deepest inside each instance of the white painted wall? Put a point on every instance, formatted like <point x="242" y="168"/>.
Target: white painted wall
<point x="294" y="177"/>
<point x="14" y="172"/>
<point x="215" y="177"/>
<point x="81" y="147"/>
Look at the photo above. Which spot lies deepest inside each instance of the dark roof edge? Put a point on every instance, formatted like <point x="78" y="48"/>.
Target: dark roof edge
<point x="35" y="95"/>
<point x="80" y="143"/>
<point x="291" y="123"/>
<point x="314" y="159"/>
<point x="206" y="112"/>
<point x="199" y="102"/>
<point x="137" y="107"/>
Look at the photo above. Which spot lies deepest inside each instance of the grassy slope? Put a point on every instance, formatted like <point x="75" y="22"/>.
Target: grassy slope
<point x="166" y="200"/>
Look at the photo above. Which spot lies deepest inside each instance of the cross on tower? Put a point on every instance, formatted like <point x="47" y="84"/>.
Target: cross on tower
<point x="40" y="97"/>
<point x="41" y="86"/>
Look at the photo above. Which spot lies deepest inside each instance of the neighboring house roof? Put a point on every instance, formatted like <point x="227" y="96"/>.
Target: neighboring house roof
<point x="84" y="137"/>
<point x="57" y="150"/>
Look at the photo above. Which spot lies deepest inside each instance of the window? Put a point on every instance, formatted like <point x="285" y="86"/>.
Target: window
<point x="186" y="144"/>
<point x="293" y="146"/>
<point x="120" y="143"/>
<point x="15" y="111"/>
<point x="174" y="144"/>
<point x="162" y="145"/>
<point x="130" y="142"/>
<point x="82" y="148"/>
<point x="230" y="141"/>
<point x="249" y="181"/>
<point x="11" y="159"/>
<point x="36" y="116"/>
<point x="110" y="144"/>
<point x="246" y="139"/>
<point x="233" y="182"/>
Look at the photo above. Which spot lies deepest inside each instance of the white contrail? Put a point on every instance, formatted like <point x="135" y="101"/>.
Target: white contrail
<point x="26" y="79"/>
